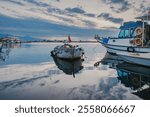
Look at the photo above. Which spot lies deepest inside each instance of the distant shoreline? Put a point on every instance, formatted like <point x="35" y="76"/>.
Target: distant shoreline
<point x="48" y="41"/>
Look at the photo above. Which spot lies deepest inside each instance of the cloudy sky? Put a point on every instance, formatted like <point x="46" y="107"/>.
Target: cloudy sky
<point x="83" y="14"/>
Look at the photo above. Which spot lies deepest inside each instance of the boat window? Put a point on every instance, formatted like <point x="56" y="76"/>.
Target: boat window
<point x="131" y="32"/>
<point x="121" y="34"/>
<point x="127" y="33"/>
<point x="134" y="34"/>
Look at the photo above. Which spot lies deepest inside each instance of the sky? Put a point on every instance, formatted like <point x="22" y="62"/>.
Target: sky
<point x="72" y="15"/>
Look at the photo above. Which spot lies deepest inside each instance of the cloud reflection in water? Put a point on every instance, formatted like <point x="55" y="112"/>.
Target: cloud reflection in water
<point x="46" y="81"/>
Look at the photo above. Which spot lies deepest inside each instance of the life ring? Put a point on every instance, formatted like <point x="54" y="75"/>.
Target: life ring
<point x="138" y="31"/>
<point x="135" y="81"/>
<point x="138" y="41"/>
<point x="130" y="49"/>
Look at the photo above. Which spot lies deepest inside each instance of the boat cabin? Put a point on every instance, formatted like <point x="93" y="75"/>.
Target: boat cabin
<point x="134" y="30"/>
<point x="128" y="29"/>
<point x="132" y="34"/>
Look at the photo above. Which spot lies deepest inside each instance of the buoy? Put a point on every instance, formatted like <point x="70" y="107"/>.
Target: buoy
<point x="138" y="41"/>
<point x="138" y="31"/>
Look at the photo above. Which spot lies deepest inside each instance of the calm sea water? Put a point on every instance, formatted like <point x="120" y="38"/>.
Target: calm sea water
<point x="28" y="71"/>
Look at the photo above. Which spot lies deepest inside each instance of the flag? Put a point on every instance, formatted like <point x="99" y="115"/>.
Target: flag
<point x="69" y="38"/>
<point x="149" y="11"/>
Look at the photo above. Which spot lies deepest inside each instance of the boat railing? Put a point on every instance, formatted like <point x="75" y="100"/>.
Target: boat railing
<point x="144" y="19"/>
<point x="97" y="37"/>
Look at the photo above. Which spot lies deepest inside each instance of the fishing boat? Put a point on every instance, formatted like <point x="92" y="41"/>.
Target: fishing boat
<point x="133" y="41"/>
<point x="68" y="51"/>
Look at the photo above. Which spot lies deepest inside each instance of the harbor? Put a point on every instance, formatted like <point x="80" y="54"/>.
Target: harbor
<point x="30" y="72"/>
<point x="93" y="69"/>
<point x="50" y="50"/>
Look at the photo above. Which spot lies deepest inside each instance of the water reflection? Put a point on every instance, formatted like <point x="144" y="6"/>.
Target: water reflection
<point x="134" y="76"/>
<point x="11" y="45"/>
<point x="4" y="55"/>
<point x="69" y="67"/>
<point x="31" y="73"/>
<point x="6" y="49"/>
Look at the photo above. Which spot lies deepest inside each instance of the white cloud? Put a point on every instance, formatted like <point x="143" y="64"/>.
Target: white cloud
<point x="74" y="13"/>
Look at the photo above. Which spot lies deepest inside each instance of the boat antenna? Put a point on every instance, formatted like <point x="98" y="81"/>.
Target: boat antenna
<point x="143" y="32"/>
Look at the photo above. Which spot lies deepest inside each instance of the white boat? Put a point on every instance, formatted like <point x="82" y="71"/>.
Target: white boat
<point x="133" y="41"/>
<point x="68" y="51"/>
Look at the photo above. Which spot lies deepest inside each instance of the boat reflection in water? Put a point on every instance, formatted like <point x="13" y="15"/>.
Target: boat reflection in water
<point x="131" y="75"/>
<point x="11" y="45"/>
<point x="70" y="67"/>
<point x="4" y="55"/>
<point x="6" y="49"/>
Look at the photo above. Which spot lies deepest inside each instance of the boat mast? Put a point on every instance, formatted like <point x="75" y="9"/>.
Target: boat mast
<point x="143" y="33"/>
<point x="145" y="19"/>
